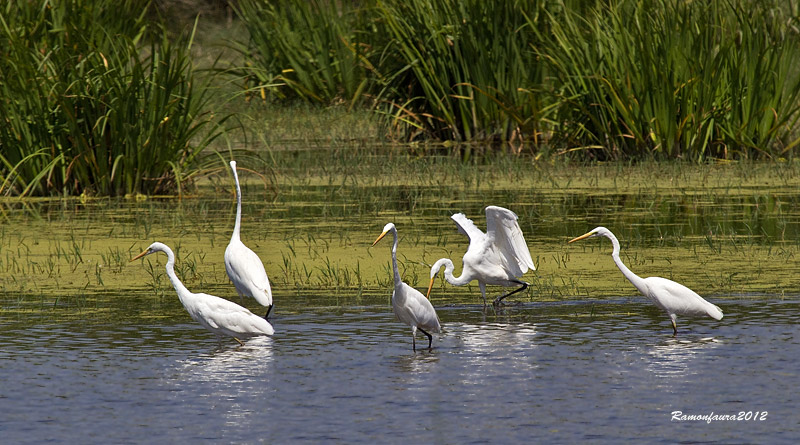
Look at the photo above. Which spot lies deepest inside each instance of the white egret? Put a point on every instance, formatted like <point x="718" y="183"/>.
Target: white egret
<point x="218" y="315"/>
<point x="244" y="267"/>
<point x="408" y="304"/>
<point x="674" y="298"/>
<point x="498" y="257"/>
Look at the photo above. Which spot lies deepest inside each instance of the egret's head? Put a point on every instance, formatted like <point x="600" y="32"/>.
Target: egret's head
<point x="155" y="247"/>
<point x="437" y="266"/>
<point x="386" y="229"/>
<point x="233" y="165"/>
<point x="597" y="231"/>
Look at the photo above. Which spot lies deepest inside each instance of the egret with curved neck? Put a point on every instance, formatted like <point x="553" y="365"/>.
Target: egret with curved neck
<point x="498" y="257"/>
<point x="218" y="315"/>
<point x="673" y="298"/>
<point x="244" y="267"/>
<point x="408" y="304"/>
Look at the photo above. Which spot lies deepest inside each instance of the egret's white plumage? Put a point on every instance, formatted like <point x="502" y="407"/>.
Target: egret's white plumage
<point x="244" y="267"/>
<point x="218" y="315"/>
<point x="674" y="298"/>
<point x="408" y="304"/>
<point x="498" y="257"/>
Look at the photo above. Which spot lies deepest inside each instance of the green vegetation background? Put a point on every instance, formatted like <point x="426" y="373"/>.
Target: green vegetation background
<point x="143" y="97"/>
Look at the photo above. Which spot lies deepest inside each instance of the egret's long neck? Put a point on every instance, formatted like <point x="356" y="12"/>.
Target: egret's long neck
<point x="397" y="280"/>
<point x="173" y="278"/>
<point x="449" y="267"/>
<point x="636" y="280"/>
<point x="237" y="225"/>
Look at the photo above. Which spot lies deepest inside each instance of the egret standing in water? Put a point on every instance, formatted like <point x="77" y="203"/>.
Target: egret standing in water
<point x="244" y="267"/>
<point x="498" y="257"/>
<point x="674" y="298"/>
<point x="218" y="315"/>
<point x="408" y="304"/>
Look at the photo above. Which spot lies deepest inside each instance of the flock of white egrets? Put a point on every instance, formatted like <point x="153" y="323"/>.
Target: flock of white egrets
<point x="498" y="257"/>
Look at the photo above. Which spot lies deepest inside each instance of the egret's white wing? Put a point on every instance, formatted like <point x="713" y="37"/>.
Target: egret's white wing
<point x="228" y="316"/>
<point x="679" y="299"/>
<point x="245" y="269"/>
<point x="467" y="227"/>
<point x="420" y="310"/>
<point x="503" y="228"/>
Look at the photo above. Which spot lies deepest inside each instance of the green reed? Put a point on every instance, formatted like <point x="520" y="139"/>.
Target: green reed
<point x="677" y="79"/>
<point x="306" y="49"/>
<point x="462" y="69"/>
<point x="619" y="79"/>
<point x="97" y="102"/>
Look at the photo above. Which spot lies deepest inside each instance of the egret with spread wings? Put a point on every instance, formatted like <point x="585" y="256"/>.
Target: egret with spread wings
<point x="408" y="304"/>
<point x="498" y="257"/>
<point x="673" y="298"/>
<point x="218" y="315"/>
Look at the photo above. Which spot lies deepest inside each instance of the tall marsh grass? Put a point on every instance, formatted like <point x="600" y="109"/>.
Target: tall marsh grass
<point x="609" y="80"/>
<point x="95" y="99"/>
<point x="677" y="79"/>
<point x="461" y="68"/>
<point x="307" y="49"/>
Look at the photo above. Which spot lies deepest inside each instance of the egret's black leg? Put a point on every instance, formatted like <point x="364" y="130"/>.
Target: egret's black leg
<point x="430" y="338"/>
<point x="269" y="309"/>
<point x="413" y="343"/>
<point x="523" y="286"/>
<point x="674" y="329"/>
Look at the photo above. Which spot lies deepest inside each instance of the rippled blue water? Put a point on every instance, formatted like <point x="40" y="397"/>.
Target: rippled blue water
<point x="566" y="372"/>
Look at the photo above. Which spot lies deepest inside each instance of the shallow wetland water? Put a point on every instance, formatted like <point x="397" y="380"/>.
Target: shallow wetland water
<point x="100" y="350"/>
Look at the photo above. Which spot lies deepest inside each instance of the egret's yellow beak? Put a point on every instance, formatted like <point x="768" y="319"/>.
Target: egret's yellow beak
<point x="140" y="255"/>
<point x="584" y="236"/>
<point x="430" y="286"/>
<point x="380" y="238"/>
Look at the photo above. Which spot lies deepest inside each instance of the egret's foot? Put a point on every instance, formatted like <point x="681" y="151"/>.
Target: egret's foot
<point x="240" y="342"/>
<point x="674" y="330"/>
<point x="498" y="302"/>
<point x="430" y="338"/>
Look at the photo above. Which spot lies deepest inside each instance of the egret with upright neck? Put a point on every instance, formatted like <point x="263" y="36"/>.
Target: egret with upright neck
<point x="244" y="267"/>
<point x="408" y="304"/>
<point x="673" y="298"/>
<point x="218" y="315"/>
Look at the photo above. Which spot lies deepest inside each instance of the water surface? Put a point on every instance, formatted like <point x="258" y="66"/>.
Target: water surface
<point x="97" y="349"/>
<point x="608" y="370"/>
